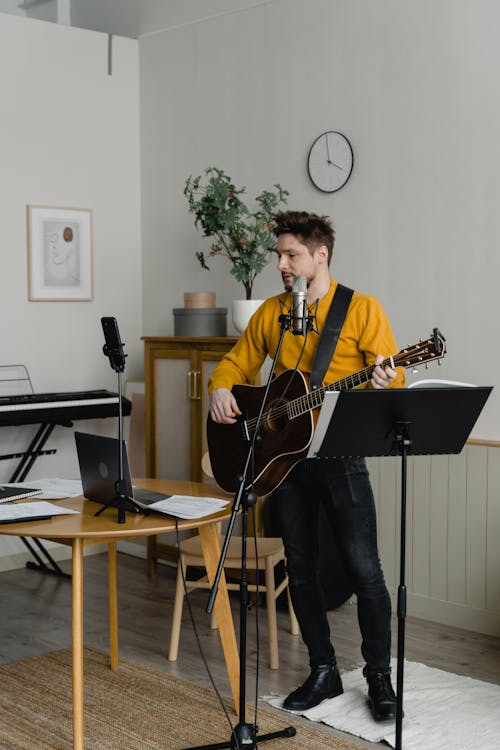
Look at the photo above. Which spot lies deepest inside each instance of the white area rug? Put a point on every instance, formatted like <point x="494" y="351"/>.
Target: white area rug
<point x="442" y="711"/>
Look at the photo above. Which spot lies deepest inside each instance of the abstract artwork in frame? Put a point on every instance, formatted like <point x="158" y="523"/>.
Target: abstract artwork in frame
<point x="59" y="253"/>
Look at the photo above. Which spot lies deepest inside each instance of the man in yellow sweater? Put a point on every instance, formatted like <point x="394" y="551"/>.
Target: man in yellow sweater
<point x="304" y="248"/>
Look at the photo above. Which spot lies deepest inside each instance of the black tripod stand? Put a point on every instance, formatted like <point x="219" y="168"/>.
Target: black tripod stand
<point x="400" y="422"/>
<point x="113" y="349"/>
<point x="244" y="734"/>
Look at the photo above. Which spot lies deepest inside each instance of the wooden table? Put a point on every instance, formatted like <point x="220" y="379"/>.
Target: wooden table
<point x="85" y="529"/>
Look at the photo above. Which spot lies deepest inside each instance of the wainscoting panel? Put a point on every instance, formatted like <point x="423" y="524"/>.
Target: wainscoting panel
<point x="452" y="571"/>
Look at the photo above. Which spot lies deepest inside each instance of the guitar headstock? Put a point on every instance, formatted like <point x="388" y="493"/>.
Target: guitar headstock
<point x="432" y="349"/>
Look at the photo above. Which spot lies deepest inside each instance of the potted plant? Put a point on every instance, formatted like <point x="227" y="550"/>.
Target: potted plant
<point x="245" y="237"/>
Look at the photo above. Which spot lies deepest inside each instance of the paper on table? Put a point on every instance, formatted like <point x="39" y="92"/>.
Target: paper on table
<point x="11" y="511"/>
<point x="188" y="506"/>
<point x="53" y="488"/>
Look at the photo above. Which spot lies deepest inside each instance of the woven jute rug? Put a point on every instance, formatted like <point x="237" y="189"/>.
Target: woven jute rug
<point x="132" y="708"/>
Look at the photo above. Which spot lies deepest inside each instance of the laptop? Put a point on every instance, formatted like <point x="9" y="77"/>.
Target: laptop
<point x="99" y="462"/>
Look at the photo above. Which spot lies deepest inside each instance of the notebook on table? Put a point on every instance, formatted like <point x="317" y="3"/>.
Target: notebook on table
<point x="99" y="461"/>
<point x="11" y="492"/>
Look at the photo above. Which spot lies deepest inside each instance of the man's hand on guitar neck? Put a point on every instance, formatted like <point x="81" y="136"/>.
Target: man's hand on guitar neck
<point x="223" y="406"/>
<point x="381" y="377"/>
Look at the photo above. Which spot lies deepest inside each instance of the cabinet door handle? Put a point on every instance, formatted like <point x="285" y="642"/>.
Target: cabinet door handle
<point x="196" y="394"/>
<point x="193" y="392"/>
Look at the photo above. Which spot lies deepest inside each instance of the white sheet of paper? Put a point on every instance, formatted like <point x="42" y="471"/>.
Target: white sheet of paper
<point x="12" y="511"/>
<point x="189" y="506"/>
<point x="438" y="383"/>
<point x="325" y="415"/>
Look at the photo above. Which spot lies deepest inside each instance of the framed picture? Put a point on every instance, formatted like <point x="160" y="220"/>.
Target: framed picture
<point x="59" y="253"/>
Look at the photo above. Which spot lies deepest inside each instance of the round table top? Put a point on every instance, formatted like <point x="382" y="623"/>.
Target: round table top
<point x="87" y="525"/>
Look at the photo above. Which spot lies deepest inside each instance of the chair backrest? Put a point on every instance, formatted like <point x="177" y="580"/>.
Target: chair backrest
<point x="137" y="433"/>
<point x="206" y="466"/>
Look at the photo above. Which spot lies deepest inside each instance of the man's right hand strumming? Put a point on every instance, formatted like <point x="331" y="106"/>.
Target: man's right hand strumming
<point x="223" y="406"/>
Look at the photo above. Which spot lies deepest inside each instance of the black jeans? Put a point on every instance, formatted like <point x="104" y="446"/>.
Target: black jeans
<point x="343" y="486"/>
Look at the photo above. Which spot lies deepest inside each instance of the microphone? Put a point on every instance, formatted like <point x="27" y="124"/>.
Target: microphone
<point x="299" y="313"/>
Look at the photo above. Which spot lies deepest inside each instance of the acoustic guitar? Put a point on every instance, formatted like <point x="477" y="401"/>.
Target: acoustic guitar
<point x="286" y="426"/>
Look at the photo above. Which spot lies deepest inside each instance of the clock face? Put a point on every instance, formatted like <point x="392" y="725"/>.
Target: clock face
<point x="330" y="161"/>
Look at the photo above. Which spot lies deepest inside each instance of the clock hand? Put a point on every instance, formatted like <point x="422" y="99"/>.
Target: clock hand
<point x="329" y="161"/>
<point x="327" y="150"/>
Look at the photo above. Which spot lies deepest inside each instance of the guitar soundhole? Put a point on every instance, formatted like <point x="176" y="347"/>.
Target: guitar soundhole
<point x="276" y="418"/>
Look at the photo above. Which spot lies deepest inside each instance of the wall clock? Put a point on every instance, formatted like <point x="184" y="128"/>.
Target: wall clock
<point x="330" y="161"/>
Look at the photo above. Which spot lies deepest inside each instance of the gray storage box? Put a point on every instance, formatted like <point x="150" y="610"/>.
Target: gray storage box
<point x="200" y="321"/>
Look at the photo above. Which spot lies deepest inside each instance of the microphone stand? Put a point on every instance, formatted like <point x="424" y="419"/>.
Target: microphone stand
<point x="244" y="734"/>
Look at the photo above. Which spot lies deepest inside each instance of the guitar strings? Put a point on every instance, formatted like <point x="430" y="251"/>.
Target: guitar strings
<point x="306" y="402"/>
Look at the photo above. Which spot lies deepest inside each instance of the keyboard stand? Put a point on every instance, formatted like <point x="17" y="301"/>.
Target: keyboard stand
<point x="19" y="375"/>
<point x="54" y="568"/>
<point x="28" y="458"/>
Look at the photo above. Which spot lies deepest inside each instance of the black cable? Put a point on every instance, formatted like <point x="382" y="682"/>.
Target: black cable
<point x="198" y="640"/>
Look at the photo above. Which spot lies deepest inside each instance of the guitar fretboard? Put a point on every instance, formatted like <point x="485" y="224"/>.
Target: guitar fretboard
<point x="315" y="398"/>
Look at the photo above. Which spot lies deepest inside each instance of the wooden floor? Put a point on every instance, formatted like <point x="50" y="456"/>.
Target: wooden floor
<point x="36" y="618"/>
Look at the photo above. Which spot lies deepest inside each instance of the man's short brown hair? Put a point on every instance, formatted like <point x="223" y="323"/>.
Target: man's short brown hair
<point x="314" y="230"/>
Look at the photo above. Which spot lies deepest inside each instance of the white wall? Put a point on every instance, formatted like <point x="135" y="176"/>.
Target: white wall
<point x="415" y="88"/>
<point x="69" y="136"/>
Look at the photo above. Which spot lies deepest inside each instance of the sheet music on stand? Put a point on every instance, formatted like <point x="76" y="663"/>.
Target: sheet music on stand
<point x="326" y="412"/>
<point x="440" y="383"/>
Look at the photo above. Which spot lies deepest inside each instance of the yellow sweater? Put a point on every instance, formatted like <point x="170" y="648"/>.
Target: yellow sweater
<point x="366" y="333"/>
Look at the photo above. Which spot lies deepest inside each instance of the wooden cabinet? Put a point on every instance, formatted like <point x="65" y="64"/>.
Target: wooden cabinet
<point x="177" y="370"/>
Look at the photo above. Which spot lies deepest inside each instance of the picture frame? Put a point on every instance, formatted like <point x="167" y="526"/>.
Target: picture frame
<point x="59" y="253"/>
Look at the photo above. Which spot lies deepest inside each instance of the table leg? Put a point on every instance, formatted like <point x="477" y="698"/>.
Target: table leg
<point x="113" y="606"/>
<point x="77" y="642"/>
<point x="210" y="545"/>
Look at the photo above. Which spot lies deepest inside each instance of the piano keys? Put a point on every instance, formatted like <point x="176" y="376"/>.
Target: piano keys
<point x="60" y="408"/>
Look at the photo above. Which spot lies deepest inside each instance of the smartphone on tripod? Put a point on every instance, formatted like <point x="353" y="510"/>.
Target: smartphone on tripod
<point x="113" y="348"/>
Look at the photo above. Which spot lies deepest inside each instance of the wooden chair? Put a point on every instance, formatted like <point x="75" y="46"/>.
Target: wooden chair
<point x="270" y="552"/>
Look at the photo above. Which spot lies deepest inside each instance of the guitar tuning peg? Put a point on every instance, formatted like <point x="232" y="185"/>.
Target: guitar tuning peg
<point x="426" y="366"/>
<point x="415" y="370"/>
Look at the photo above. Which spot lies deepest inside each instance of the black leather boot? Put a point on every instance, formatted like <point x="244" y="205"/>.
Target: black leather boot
<point x="381" y="697"/>
<point x="323" y="682"/>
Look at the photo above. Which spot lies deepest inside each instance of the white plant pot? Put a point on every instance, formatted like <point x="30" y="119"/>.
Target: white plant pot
<point x="242" y="311"/>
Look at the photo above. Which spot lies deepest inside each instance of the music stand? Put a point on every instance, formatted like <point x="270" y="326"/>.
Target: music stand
<point x="398" y="422"/>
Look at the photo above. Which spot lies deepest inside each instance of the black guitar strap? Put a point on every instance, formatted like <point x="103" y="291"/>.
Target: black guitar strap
<point x="330" y="334"/>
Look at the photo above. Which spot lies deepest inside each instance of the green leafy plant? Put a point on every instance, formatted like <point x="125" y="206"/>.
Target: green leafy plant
<point x="245" y="237"/>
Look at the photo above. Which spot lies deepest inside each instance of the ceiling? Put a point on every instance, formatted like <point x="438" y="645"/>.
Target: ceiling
<point x="131" y="18"/>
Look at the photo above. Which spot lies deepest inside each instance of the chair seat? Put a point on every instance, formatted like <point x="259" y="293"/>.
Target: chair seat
<point x="266" y="547"/>
<point x="270" y="552"/>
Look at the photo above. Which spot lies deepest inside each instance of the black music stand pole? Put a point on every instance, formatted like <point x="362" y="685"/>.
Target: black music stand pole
<point x="398" y="422"/>
<point x="403" y="441"/>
